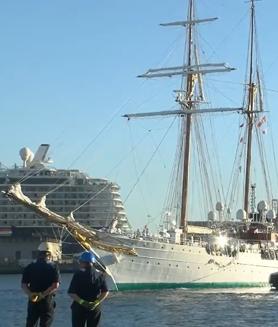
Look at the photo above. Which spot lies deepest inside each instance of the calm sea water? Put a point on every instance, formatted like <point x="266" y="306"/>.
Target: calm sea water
<point x="182" y="307"/>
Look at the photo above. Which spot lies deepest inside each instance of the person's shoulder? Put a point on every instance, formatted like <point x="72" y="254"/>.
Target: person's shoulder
<point x="52" y="266"/>
<point x="29" y="269"/>
<point x="78" y="273"/>
<point x="98" y="274"/>
<point x="30" y="266"/>
<point x="77" y="276"/>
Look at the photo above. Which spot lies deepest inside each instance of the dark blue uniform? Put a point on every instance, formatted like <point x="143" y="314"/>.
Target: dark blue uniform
<point x="87" y="284"/>
<point x="39" y="276"/>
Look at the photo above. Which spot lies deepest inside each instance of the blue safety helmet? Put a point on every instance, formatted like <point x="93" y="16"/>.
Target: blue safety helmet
<point x="87" y="256"/>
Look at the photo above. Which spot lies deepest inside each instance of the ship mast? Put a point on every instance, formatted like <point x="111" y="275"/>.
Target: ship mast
<point x="189" y="97"/>
<point x="250" y="110"/>
<point x="188" y="119"/>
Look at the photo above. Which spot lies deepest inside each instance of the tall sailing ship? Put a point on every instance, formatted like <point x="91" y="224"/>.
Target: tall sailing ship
<point x="229" y="252"/>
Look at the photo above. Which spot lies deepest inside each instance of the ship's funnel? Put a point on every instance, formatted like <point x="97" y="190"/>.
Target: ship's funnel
<point x="40" y="158"/>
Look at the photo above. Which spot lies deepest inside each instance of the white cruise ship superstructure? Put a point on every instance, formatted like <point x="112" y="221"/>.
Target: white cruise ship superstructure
<point x="67" y="189"/>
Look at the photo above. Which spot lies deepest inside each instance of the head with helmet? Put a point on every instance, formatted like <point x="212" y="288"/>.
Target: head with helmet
<point x="45" y="250"/>
<point x="87" y="259"/>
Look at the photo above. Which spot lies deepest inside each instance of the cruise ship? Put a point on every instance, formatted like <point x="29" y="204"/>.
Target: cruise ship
<point x="22" y="230"/>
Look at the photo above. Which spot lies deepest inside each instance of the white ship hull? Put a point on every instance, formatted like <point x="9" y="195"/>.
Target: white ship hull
<point x="160" y="265"/>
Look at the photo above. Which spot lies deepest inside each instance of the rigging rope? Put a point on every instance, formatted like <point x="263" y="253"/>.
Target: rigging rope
<point x="217" y="158"/>
<point x="173" y="190"/>
<point x="203" y="161"/>
<point x="92" y="197"/>
<point x="136" y="172"/>
<point x="126" y="155"/>
<point x="237" y="170"/>
<point x="274" y="158"/>
<point x="264" y="165"/>
<point x="149" y="161"/>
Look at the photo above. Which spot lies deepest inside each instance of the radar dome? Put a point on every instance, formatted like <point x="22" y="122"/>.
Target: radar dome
<point x="241" y="215"/>
<point x="211" y="216"/>
<point x="219" y="206"/>
<point x="262" y="206"/>
<point x="270" y="215"/>
<point x="26" y="155"/>
<point x="173" y="223"/>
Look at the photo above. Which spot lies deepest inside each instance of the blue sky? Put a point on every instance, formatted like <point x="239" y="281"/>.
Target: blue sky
<point x="68" y="68"/>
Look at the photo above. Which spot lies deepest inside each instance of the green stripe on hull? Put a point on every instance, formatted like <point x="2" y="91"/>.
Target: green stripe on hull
<point x="152" y="286"/>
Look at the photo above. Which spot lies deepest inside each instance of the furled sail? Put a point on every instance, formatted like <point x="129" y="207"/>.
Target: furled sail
<point x="88" y="238"/>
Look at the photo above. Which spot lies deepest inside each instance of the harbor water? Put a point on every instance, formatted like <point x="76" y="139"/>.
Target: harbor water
<point x="180" y="307"/>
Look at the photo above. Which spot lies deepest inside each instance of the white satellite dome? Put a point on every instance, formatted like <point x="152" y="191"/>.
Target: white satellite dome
<point x="173" y="223"/>
<point x="211" y="216"/>
<point x="241" y="215"/>
<point x="262" y="206"/>
<point x="270" y="215"/>
<point x="26" y="155"/>
<point x="219" y="206"/>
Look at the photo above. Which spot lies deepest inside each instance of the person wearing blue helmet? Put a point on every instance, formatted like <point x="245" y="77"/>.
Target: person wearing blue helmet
<point x="87" y="289"/>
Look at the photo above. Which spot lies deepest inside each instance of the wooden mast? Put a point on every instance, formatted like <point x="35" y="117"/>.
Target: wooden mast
<point x="250" y="112"/>
<point x="191" y="71"/>
<point x="187" y="120"/>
